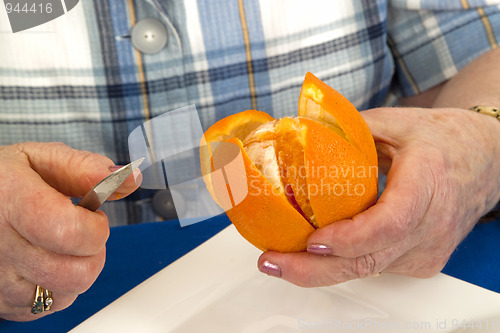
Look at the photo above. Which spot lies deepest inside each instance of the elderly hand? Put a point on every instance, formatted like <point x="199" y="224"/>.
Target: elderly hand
<point x="444" y="175"/>
<point x="44" y="239"/>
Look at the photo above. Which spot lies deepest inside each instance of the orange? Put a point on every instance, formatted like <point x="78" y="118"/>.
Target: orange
<point x="279" y="180"/>
<point x="235" y="126"/>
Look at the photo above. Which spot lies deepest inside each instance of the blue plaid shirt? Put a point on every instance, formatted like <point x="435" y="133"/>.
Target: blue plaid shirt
<point x="79" y="80"/>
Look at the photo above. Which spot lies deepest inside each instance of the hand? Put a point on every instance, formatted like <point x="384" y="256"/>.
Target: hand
<point x="443" y="176"/>
<point x="44" y="239"/>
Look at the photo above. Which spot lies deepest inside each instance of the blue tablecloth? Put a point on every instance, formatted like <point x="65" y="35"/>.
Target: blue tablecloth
<point x="134" y="253"/>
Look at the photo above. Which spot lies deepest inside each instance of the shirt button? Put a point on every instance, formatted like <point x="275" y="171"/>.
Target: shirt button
<point x="163" y="205"/>
<point x="149" y="35"/>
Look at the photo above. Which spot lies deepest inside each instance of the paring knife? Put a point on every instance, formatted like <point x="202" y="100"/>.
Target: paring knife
<point x="101" y="192"/>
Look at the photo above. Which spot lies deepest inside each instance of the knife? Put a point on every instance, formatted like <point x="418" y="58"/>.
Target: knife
<point x="102" y="191"/>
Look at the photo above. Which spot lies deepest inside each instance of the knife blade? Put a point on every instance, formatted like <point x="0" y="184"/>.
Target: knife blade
<point x="102" y="191"/>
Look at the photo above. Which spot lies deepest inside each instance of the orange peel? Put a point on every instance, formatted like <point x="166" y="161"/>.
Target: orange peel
<point x="280" y="179"/>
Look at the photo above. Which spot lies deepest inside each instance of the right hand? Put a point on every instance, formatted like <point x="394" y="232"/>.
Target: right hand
<point x="44" y="238"/>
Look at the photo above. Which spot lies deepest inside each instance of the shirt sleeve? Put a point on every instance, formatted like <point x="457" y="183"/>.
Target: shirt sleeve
<point x="432" y="40"/>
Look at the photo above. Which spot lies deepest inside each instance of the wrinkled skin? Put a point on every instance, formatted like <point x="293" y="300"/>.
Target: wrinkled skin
<point x="440" y="182"/>
<point x="443" y="175"/>
<point x="44" y="238"/>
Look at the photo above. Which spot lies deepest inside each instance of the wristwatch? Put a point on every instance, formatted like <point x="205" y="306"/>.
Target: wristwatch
<point x="492" y="111"/>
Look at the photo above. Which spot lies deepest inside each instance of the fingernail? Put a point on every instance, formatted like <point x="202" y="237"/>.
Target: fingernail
<point x="137" y="176"/>
<point x="270" y="269"/>
<point x="319" y="249"/>
<point x="115" y="167"/>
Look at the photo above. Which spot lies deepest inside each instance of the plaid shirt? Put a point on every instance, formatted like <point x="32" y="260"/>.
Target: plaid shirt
<point x="79" y="80"/>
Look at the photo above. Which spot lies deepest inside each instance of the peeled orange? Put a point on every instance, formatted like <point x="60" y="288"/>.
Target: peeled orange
<point x="280" y="179"/>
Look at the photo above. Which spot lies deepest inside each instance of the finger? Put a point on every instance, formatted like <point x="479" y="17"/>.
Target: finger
<point x="402" y="205"/>
<point x="23" y="313"/>
<point x="17" y="296"/>
<point x="19" y="293"/>
<point x="65" y="274"/>
<point x="25" y="266"/>
<point x="307" y="270"/>
<point x="392" y="219"/>
<point x="48" y="219"/>
<point x="71" y="172"/>
<point x="390" y="125"/>
<point x="56" y="272"/>
<point x="385" y="136"/>
<point x="14" y="290"/>
<point x="129" y="185"/>
<point x="74" y="172"/>
<point x="385" y="153"/>
<point x="423" y="261"/>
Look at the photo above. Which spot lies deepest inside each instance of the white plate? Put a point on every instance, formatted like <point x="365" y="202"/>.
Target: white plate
<point x="217" y="288"/>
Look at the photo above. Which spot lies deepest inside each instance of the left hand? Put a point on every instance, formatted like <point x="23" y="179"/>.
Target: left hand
<point x="443" y="176"/>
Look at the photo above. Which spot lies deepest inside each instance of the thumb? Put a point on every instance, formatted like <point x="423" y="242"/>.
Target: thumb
<point x="403" y="203"/>
<point x="390" y="125"/>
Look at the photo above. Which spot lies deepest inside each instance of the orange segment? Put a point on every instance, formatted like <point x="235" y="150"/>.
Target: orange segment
<point x="265" y="218"/>
<point x="319" y="101"/>
<point x="340" y="180"/>
<point x="290" y="148"/>
<point x="279" y="179"/>
<point x="238" y="125"/>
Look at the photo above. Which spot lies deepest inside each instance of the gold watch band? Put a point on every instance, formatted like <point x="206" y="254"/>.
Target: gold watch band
<point x="487" y="110"/>
<point x="493" y="112"/>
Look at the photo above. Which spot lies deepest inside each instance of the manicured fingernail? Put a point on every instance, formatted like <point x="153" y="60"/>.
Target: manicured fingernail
<point x="137" y="176"/>
<point x="270" y="269"/>
<point x="115" y="167"/>
<point x="319" y="249"/>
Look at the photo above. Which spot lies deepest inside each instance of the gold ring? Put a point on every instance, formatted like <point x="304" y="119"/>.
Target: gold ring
<point x="43" y="300"/>
<point x="38" y="306"/>
<point x="48" y="300"/>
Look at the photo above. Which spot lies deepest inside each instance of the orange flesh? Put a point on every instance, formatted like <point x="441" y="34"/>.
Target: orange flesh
<point x="271" y="213"/>
<point x="290" y="152"/>
<point x="339" y="175"/>
<point x="300" y="167"/>
<point x="320" y="102"/>
<point x="284" y="157"/>
<point x="286" y="138"/>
